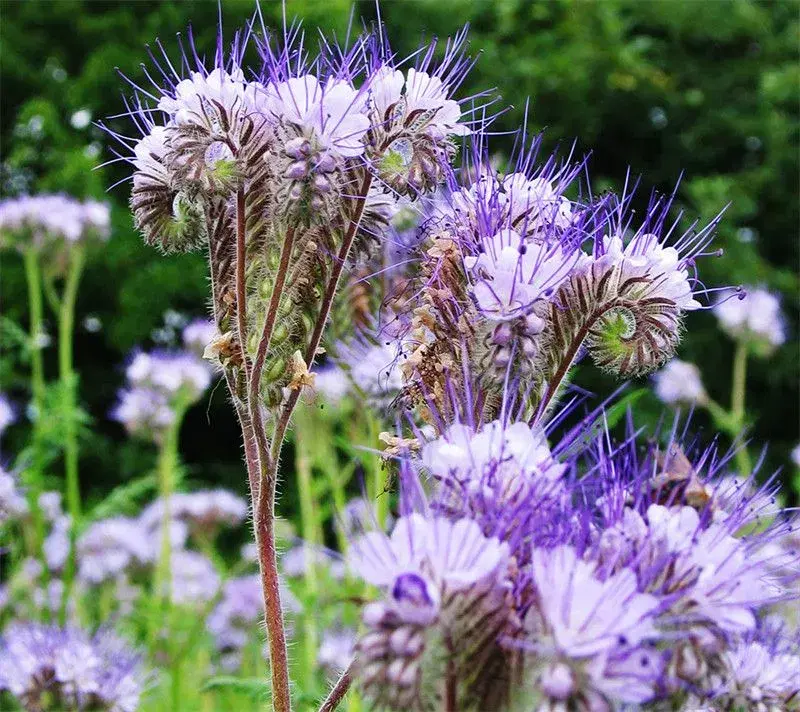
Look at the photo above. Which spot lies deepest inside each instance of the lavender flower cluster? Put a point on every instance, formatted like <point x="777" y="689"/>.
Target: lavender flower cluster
<point x="162" y="383"/>
<point x="593" y="581"/>
<point x="35" y="220"/>
<point x="47" y="667"/>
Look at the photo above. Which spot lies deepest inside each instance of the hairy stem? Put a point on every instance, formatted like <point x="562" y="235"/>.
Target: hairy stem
<point x="338" y="691"/>
<point x="738" y="391"/>
<point x="554" y="383"/>
<point x="241" y="285"/>
<point x="67" y="377"/>
<point x="450" y="687"/>
<point x="325" y="310"/>
<point x="262" y="488"/>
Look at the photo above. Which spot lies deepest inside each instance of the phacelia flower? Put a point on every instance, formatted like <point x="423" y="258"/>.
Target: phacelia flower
<point x="328" y="114"/>
<point x="8" y="415"/>
<point x="441" y="579"/>
<point x="679" y="383"/>
<point x="236" y="616"/>
<point x="12" y="501"/>
<point x="336" y="650"/>
<point x="194" y="578"/>
<point x="36" y="221"/>
<point x="755" y="317"/>
<point x="204" y="511"/>
<point x="595" y="632"/>
<point x="759" y="679"/>
<point x="498" y="462"/>
<point x="110" y="547"/>
<point x="69" y="669"/>
<point x="197" y="99"/>
<point x="510" y="276"/>
<point x="198" y="334"/>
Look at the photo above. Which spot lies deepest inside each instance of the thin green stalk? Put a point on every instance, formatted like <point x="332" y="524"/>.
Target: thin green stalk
<point x="67" y="377"/>
<point x="34" y="279"/>
<point x="33" y="474"/>
<point x="380" y="473"/>
<point x="738" y="391"/>
<point x="167" y="478"/>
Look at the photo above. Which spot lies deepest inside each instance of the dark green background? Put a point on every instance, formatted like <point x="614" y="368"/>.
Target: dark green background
<point x="704" y="89"/>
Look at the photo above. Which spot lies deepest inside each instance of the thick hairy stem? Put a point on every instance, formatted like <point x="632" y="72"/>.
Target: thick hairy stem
<point x="325" y="310"/>
<point x="268" y="563"/>
<point x="338" y="691"/>
<point x="66" y="324"/>
<point x="554" y="383"/>
<point x="738" y="392"/>
<point x="262" y="489"/>
<point x="450" y="681"/>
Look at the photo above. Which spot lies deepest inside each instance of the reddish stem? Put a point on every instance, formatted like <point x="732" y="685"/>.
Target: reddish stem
<point x="338" y="691"/>
<point x="325" y="310"/>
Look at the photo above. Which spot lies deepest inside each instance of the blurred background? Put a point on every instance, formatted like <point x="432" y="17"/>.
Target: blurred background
<point x="701" y="92"/>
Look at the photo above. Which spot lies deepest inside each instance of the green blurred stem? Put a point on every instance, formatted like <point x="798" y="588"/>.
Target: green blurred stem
<point x="311" y="536"/>
<point x="34" y="279"/>
<point x="167" y="478"/>
<point x="33" y="474"/>
<point x="380" y="473"/>
<point x="67" y="377"/>
<point x="738" y="390"/>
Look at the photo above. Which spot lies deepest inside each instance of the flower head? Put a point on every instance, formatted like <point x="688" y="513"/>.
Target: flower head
<point x="679" y="383"/>
<point x="754" y="316"/>
<point x="70" y="668"/>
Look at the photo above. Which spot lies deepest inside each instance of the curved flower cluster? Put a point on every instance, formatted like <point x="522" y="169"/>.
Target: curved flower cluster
<point x="37" y="220"/>
<point x="517" y="282"/>
<point x="68" y="669"/>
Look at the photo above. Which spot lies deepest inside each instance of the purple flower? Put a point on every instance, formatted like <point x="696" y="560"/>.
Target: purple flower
<point x="12" y="501"/>
<point x="680" y="383"/>
<point x="510" y="276"/>
<point x="43" y="219"/>
<point x="8" y="414"/>
<point x="442" y="581"/>
<point x="330" y="114"/>
<point x="198" y="334"/>
<point x="110" y="547"/>
<point x="755" y="316"/>
<point x="69" y="668"/>
<point x="205" y="511"/>
<point x="194" y="578"/>
<point x="596" y="629"/>
<point x="336" y="650"/>
<point x="241" y="608"/>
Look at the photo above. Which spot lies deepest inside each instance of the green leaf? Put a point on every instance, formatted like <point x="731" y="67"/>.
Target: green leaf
<point x="607" y="419"/>
<point x="124" y="499"/>
<point x="252" y="686"/>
